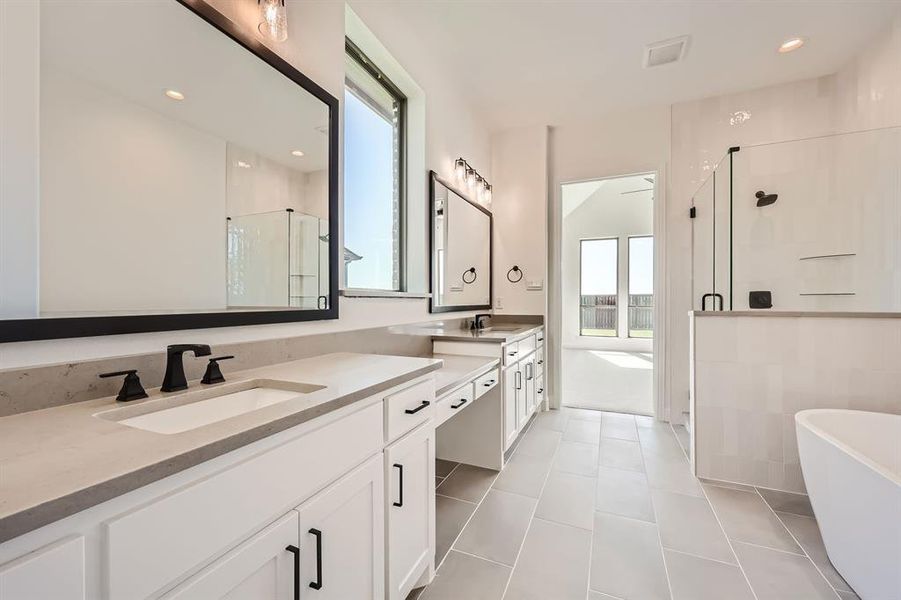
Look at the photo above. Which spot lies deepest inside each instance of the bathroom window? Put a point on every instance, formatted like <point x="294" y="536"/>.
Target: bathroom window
<point x="641" y="286"/>
<point x="374" y="113"/>
<point x="598" y="287"/>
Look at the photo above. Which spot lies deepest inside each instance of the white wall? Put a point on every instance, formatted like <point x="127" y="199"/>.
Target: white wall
<point x="316" y="47"/>
<point x="606" y="213"/>
<point x="864" y="94"/>
<point x="520" y="183"/>
<point x="634" y="142"/>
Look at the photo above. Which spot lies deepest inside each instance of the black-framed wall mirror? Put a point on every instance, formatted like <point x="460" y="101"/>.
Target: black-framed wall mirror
<point x="461" y="233"/>
<point x="188" y="177"/>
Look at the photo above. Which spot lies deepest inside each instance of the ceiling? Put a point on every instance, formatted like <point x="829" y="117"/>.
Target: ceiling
<point x="553" y="62"/>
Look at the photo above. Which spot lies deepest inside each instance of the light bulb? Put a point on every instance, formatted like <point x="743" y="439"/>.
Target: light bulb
<point x="470" y="178"/>
<point x="460" y="169"/>
<point x="273" y="19"/>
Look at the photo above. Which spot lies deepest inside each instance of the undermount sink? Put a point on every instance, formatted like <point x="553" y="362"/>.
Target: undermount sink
<point x="196" y="408"/>
<point x="499" y="329"/>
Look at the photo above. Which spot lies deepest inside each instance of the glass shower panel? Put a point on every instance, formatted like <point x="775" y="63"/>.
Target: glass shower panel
<point x="702" y="244"/>
<point x="304" y="271"/>
<point x="722" y="233"/>
<point x="257" y="257"/>
<point x="817" y="222"/>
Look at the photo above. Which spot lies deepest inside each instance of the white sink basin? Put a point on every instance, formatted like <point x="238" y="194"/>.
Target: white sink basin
<point x="193" y="409"/>
<point x="499" y="329"/>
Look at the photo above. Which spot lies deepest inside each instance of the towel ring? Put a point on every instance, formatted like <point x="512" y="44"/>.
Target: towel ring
<point x="471" y="271"/>
<point x="514" y="269"/>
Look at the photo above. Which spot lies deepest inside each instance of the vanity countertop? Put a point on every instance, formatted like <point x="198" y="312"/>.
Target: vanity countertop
<point x="500" y="334"/>
<point x="460" y="369"/>
<point x="58" y="461"/>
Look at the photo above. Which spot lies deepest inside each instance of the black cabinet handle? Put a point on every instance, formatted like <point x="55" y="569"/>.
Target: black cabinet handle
<point x="541" y="362"/>
<point x="540" y="390"/>
<point x="511" y="354"/>
<point x="317" y="585"/>
<point x="296" y="552"/>
<point x="488" y="383"/>
<point x="461" y="403"/>
<point x="413" y="411"/>
<point x="400" y="486"/>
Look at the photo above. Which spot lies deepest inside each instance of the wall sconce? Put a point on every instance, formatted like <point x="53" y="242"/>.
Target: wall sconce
<point x="273" y="19"/>
<point x="477" y="184"/>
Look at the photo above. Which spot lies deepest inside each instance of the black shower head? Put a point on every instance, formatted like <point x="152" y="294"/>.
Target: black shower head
<point x="764" y="199"/>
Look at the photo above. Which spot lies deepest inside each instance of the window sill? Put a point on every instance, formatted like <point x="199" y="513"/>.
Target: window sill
<point x="358" y="293"/>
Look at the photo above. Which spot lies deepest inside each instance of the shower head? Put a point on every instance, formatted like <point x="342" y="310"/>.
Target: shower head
<point x="764" y="199"/>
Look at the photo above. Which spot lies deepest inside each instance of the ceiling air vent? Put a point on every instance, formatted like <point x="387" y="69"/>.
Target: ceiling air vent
<point x="665" y="52"/>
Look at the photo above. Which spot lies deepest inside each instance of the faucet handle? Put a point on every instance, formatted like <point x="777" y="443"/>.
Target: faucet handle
<point x="213" y="372"/>
<point x="131" y="387"/>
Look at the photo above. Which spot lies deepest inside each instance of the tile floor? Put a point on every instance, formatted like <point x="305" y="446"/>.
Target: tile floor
<point x="608" y="380"/>
<point x="599" y="506"/>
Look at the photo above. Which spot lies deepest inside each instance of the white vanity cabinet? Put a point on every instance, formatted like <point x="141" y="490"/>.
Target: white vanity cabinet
<point x="56" y="571"/>
<point x="513" y="390"/>
<point x="410" y="509"/>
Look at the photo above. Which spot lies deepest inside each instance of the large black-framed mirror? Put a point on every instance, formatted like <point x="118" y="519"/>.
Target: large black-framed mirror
<point x="461" y="254"/>
<point x="188" y="177"/>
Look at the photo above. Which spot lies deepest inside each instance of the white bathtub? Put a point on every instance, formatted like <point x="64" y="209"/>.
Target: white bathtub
<point x="851" y="462"/>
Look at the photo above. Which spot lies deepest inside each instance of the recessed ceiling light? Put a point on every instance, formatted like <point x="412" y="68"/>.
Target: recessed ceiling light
<point x="791" y="44"/>
<point x="174" y="94"/>
<point x="296" y="153"/>
<point x="244" y="165"/>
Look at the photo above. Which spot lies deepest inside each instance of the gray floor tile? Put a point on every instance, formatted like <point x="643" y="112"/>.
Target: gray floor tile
<point x="626" y="559"/>
<point x="807" y="533"/>
<point x="450" y="517"/>
<point x="778" y="575"/>
<point x="553" y="563"/>
<point x="728" y="485"/>
<point x="498" y="527"/>
<point x="592" y="595"/>
<point x="796" y="504"/>
<point x="587" y="432"/>
<point x="539" y="442"/>
<point x="747" y="518"/>
<point x="621" y="454"/>
<point x="673" y="475"/>
<point x="467" y="483"/>
<point x="624" y="493"/>
<point x="524" y="474"/>
<point x="463" y="576"/>
<point x="443" y="468"/>
<point x="694" y="578"/>
<point x="848" y="595"/>
<point x="552" y="419"/>
<point x="584" y="414"/>
<point x="687" y="524"/>
<point x="683" y="437"/>
<point x="577" y="458"/>
<point x="660" y="441"/>
<point x="619" y="426"/>
<point x="568" y="499"/>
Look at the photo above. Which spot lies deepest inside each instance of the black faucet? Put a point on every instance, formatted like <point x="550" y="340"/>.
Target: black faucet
<point x="174" y="379"/>
<point x="477" y="320"/>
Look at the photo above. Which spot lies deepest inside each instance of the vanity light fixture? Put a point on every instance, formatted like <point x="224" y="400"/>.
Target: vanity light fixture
<point x="297" y="153"/>
<point x="791" y="45"/>
<point x="273" y="19"/>
<point x="174" y="95"/>
<point x="476" y="184"/>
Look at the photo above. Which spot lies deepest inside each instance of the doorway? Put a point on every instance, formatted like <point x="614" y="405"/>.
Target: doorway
<point x="608" y="274"/>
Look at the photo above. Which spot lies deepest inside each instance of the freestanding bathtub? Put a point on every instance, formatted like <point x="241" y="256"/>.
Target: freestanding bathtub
<point x="851" y="461"/>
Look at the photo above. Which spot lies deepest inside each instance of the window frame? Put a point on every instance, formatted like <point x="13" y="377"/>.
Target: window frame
<point x="352" y="51"/>
<point x="616" y="293"/>
<point x="629" y="239"/>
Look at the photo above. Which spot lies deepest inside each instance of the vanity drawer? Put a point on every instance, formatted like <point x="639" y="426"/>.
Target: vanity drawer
<point x="153" y="546"/>
<point x="454" y="402"/>
<point x="408" y="408"/>
<point x="539" y="337"/>
<point x="486" y="382"/>
<point x="511" y="353"/>
<point x="539" y="392"/>
<point x="526" y="345"/>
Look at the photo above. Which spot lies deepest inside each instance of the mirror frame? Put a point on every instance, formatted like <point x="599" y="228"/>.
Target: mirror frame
<point x="435" y="178"/>
<point x="17" y="330"/>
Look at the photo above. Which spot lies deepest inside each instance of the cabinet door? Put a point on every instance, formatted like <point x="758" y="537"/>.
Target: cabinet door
<point x="410" y="499"/>
<point x="512" y="389"/>
<point x="263" y="568"/>
<point x="56" y="572"/>
<point x="342" y="538"/>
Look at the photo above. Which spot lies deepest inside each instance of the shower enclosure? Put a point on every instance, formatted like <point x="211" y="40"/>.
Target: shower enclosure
<point x="804" y="225"/>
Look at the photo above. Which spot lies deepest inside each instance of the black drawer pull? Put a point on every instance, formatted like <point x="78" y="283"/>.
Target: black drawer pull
<point x="511" y="354"/>
<point x="296" y="552"/>
<point x="400" y="486"/>
<point x="317" y="585"/>
<point x="540" y="362"/>
<point x="488" y="383"/>
<point x="413" y="411"/>
<point x="541" y="391"/>
<point x="461" y="403"/>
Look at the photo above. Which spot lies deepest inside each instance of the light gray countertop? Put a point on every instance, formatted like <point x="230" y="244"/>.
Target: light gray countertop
<point x="459" y="369"/>
<point x="499" y="334"/>
<point x="58" y="461"/>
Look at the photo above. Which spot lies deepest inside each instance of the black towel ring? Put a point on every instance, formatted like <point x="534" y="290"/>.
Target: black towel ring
<point x="515" y="269"/>
<point x="472" y="271"/>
